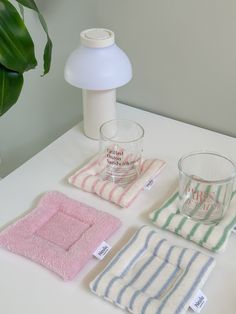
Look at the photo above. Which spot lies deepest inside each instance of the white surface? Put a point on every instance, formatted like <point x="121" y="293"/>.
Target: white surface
<point x="97" y="37"/>
<point x="27" y="288"/>
<point x="98" y="107"/>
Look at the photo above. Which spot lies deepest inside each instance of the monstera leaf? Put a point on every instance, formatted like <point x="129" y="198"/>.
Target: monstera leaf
<point x="10" y="83"/>
<point x="48" y="48"/>
<point x="16" y="46"/>
<point x="17" y="51"/>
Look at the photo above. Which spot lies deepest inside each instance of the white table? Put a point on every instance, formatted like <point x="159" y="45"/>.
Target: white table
<point x="28" y="288"/>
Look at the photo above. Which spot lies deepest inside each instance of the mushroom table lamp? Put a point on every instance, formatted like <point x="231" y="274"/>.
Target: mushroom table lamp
<point x="98" y="66"/>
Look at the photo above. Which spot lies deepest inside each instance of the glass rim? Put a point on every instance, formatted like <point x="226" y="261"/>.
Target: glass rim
<point x="103" y="137"/>
<point x="205" y="152"/>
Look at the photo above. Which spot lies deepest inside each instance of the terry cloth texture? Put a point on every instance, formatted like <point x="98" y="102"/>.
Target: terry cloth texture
<point x="212" y="237"/>
<point x="88" y="179"/>
<point x="149" y="275"/>
<point x="60" y="234"/>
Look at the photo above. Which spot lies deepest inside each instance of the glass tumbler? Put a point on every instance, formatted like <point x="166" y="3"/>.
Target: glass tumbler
<point x="206" y="181"/>
<point x="121" y="146"/>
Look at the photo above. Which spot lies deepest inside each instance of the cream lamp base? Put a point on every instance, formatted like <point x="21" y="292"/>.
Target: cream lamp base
<point x="98" y="107"/>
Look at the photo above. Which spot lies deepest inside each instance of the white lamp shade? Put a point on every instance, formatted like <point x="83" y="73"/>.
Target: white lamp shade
<point x="98" y="68"/>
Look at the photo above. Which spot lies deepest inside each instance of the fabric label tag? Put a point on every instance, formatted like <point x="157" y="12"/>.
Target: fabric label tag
<point x="149" y="184"/>
<point x="198" y="302"/>
<point x="102" y="250"/>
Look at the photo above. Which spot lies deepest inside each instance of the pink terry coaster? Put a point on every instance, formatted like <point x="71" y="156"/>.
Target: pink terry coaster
<point x="60" y="234"/>
<point x="88" y="179"/>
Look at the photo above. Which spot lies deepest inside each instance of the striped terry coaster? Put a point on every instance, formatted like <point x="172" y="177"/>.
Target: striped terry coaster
<point x="149" y="275"/>
<point x="88" y="179"/>
<point x="212" y="237"/>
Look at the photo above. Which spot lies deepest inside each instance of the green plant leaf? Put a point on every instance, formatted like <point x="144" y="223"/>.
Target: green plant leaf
<point x="10" y="87"/>
<point x="16" y="45"/>
<point x="29" y="4"/>
<point x="21" y="11"/>
<point x="48" y="47"/>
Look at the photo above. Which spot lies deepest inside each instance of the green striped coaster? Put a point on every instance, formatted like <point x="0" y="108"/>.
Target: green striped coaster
<point x="212" y="237"/>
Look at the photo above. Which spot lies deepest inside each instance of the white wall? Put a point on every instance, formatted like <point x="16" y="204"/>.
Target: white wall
<point x="184" y="57"/>
<point x="48" y="106"/>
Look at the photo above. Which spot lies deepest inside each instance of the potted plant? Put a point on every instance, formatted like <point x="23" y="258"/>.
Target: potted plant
<point x="17" y="50"/>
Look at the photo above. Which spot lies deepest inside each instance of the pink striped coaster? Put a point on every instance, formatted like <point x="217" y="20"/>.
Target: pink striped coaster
<point x="60" y="234"/>
<point x="88" y="179"/>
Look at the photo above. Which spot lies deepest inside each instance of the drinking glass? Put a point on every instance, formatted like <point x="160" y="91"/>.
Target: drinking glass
<point x="206" y="181"/>
<point x="121" y="146"/>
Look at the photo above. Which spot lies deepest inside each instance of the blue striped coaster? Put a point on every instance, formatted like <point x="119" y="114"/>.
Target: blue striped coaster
<point x="149" y="275"/>
<point x="212" y="237"/>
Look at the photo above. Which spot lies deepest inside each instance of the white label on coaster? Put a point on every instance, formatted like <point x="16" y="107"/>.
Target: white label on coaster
<point x="198" y="302"/>
<point x="102" y="250"/>
<point x="149" y="184"/>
